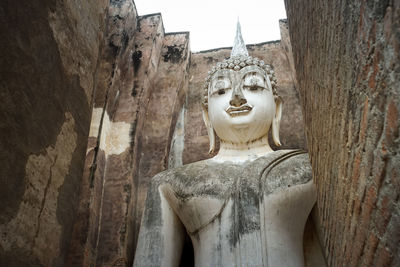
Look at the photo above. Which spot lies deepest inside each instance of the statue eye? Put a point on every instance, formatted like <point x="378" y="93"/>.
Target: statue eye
<point x="221" y="86"/>
<point x="254" y="88"/>
<point x="253" y="82"/>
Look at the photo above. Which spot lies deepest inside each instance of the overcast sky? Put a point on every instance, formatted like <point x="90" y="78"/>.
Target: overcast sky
<point x="212" y="23"/>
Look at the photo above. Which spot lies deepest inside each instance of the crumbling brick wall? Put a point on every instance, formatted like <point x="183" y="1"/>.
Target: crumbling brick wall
<point x="346" y="56"/>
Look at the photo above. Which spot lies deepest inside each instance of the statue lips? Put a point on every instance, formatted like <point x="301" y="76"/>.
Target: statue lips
<point x="236" y="111"/>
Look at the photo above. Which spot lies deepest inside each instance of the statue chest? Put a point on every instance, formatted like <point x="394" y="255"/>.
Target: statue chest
<point x="245" y="224"/>
<point x="237" y="202"/>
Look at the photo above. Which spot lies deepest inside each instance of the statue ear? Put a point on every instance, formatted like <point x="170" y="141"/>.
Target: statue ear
<point x="277" y="120"/>
<point x="210" y="129"/>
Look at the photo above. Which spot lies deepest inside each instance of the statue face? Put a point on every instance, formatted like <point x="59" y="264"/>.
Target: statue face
<point x="241" y="104"/>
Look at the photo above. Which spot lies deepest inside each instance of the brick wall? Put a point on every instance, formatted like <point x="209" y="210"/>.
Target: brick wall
<point x="346" y="57"/>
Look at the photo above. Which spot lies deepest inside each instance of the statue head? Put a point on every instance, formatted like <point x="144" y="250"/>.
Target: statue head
<point x="240" y="100"/>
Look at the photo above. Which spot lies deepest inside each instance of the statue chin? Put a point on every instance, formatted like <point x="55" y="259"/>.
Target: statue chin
<point x="243" y="128"/>
<point x="242" y="133"/>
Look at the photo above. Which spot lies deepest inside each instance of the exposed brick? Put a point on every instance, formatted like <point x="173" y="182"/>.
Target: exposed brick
<point x="382" y="257"/>
<point x="385" y="207"/>
<point x="348" y="79"/>
<point x="392" y="123"/>
<point x="370" y="249"/>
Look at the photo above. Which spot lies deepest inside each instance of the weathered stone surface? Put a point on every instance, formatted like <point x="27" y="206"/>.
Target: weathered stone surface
<point x="136" y="100"/>
<point x="100" y="228"/>
<point x="36" y="226"/>
<point x="346" y="56"/>
<point x="167" y="96"/>
<point x="49" y="53"/>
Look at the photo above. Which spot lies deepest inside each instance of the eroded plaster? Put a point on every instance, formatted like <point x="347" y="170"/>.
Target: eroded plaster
<point x="36" y="219"/>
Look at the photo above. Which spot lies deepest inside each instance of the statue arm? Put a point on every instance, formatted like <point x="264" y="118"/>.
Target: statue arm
<point x="161" y="235"/>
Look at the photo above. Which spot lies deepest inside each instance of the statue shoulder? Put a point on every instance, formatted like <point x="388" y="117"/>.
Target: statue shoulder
<point x="181" y="174"/>
<point x="205" y="177"/>
<point x="289" y="169"/>
<point x="294" y="162"/>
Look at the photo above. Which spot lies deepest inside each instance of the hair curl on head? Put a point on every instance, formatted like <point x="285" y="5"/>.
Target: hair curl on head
<point x="237" y="63"/>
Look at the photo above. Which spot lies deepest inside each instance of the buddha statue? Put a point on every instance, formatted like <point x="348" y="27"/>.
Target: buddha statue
<point x="246" y="206"/>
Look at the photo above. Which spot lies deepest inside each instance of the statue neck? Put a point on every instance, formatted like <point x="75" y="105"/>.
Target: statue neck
<point x="240" y="152"/>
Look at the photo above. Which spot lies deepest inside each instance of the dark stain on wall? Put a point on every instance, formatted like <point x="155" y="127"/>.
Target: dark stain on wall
<point x="136" y="59"/>
<point x="174" y="54"/>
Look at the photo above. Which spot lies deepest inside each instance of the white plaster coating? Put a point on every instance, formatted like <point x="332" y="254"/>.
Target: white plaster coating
<point x="95" y="123"/>
<point x="178" y="141"/>
<point x="241" y="109"/>
<point x="173" y="233"/>
<point x="239" y="47"/>
<point x="239" y="153"/>
<point x="287" y="211"/>
<point x="114" y="136"/>
<point x="197" y="211"/>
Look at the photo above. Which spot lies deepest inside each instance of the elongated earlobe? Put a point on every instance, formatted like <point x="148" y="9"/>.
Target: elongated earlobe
<point x="277" y="120"/>
<point x="210" y="129"/>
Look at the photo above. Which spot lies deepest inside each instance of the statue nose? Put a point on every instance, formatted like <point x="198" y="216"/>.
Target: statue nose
<point x="237" y="98"/>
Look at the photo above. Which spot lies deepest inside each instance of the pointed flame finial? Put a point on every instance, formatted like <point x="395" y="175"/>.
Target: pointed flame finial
<point x="239" y="59"/>
<point x="239" y="47"/>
